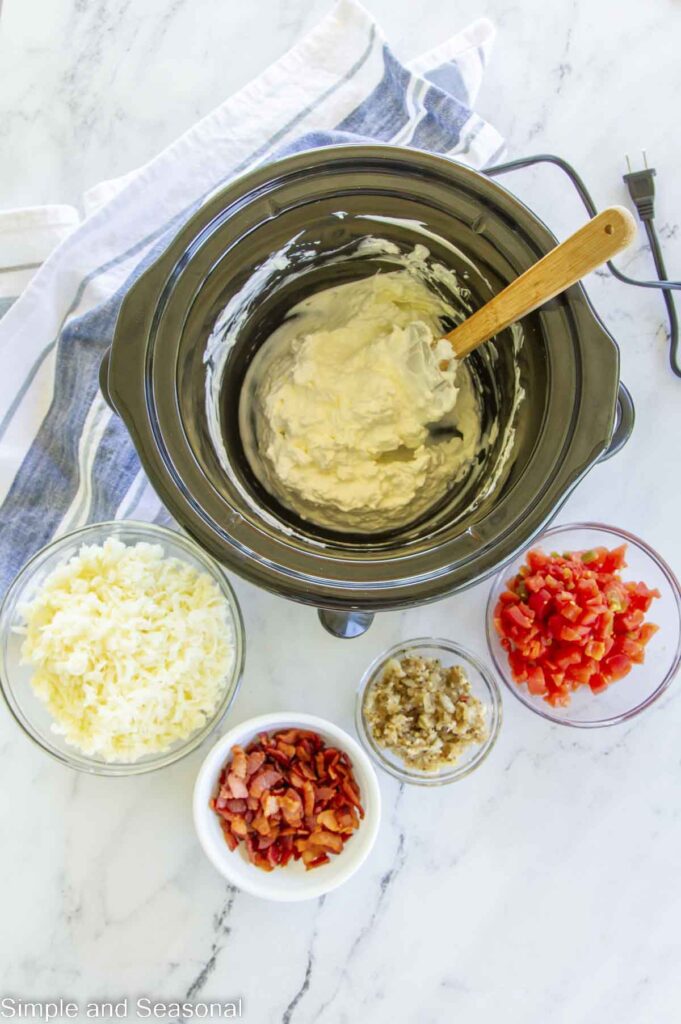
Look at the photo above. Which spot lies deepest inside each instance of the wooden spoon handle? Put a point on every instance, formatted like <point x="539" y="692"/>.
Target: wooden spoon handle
<point x="599" y="240"/>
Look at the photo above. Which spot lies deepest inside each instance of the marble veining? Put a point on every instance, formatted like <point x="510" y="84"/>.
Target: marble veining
<point x="544" y="888"/>
<point x="221" y="932"/>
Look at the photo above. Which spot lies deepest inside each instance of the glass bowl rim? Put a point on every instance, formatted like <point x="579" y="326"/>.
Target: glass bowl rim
<point x="446" y="776"/>
<point x="82" y="762"/>
<point x="515" y="688"/>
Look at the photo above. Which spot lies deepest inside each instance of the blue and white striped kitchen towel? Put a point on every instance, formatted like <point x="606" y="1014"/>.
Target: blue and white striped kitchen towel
<point x="65" y="459"/>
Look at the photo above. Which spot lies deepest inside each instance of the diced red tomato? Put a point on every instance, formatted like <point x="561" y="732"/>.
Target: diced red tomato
<point x="572" y="612"/>
<point x="614" y="560"/>
<point x="518" y="666"/>
<point x="598" y="682"/>
<point x="594" y="649"/>
<point x="537" y="560"/>
<point x="605" y="625"/>
<point x="616" y="666"/>
<point x="632" y="620"/>
<point x="647" y="632"/>
<point x="582" y="673"/>
<point x="570" y="620"/>
<point x="640" y="596"/>
<point x="588" y="588"/>
<point x="632" y="649"/>
<point x="514" y="614"/>
<point x="534" y="583"/>
<point x="573" y="633"/>
<point x="539" y="601"/>
<point x="565" y="656"/>
<point x="536" y="683"/>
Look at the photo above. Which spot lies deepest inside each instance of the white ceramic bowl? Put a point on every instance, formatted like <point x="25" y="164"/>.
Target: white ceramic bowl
<point x="292" y="882"/>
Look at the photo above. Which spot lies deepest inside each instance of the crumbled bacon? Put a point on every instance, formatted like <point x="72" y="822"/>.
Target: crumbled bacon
<point x="263" y="781"/>
<point x="239" y="762"/>
<point x="237" y="806"/>
<point x="236" y="786"/>
<point x="288" y="795"/>
<point x="270" y="804"/>
<point x="254" y="761"/>
<point x="328" y="819"/>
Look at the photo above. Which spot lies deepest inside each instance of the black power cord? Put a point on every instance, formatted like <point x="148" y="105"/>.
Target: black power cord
<point x="642" y="191"/>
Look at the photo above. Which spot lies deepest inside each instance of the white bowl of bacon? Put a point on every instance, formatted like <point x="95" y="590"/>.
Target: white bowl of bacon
<point x="287" y="806"/>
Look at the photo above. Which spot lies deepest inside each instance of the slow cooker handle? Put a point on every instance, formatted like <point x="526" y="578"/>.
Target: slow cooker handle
<point x="626" y="417"/>
<point x="104" y="379"/>
<point x="345" y="625"/>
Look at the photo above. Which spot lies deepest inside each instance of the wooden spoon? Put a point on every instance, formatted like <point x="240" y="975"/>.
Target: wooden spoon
<point x="595" y="243"/>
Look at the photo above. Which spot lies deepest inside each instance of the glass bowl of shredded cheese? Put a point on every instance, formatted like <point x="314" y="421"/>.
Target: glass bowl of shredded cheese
<point x="121" y="647"/>
<point x="428" y="711"/>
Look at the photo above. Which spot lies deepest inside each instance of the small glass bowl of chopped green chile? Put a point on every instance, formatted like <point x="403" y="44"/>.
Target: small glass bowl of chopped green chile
<point x="449" y="722"/>
<point x="620" y="646"/>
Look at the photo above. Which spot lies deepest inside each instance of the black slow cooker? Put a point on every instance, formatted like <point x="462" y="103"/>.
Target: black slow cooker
<point x="574" y="412"/>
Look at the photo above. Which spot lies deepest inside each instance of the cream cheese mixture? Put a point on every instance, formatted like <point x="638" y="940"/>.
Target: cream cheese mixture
<point x="354" y="413"/>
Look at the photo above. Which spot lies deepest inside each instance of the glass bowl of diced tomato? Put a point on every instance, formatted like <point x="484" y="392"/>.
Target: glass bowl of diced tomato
<point x="585" y="627"/>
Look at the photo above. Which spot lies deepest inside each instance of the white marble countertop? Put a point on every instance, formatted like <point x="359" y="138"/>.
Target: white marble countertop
<point x="544" y="888"/>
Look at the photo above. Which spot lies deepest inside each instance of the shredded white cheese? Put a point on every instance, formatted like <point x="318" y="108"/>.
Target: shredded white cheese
<point x="131" y="649"/>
